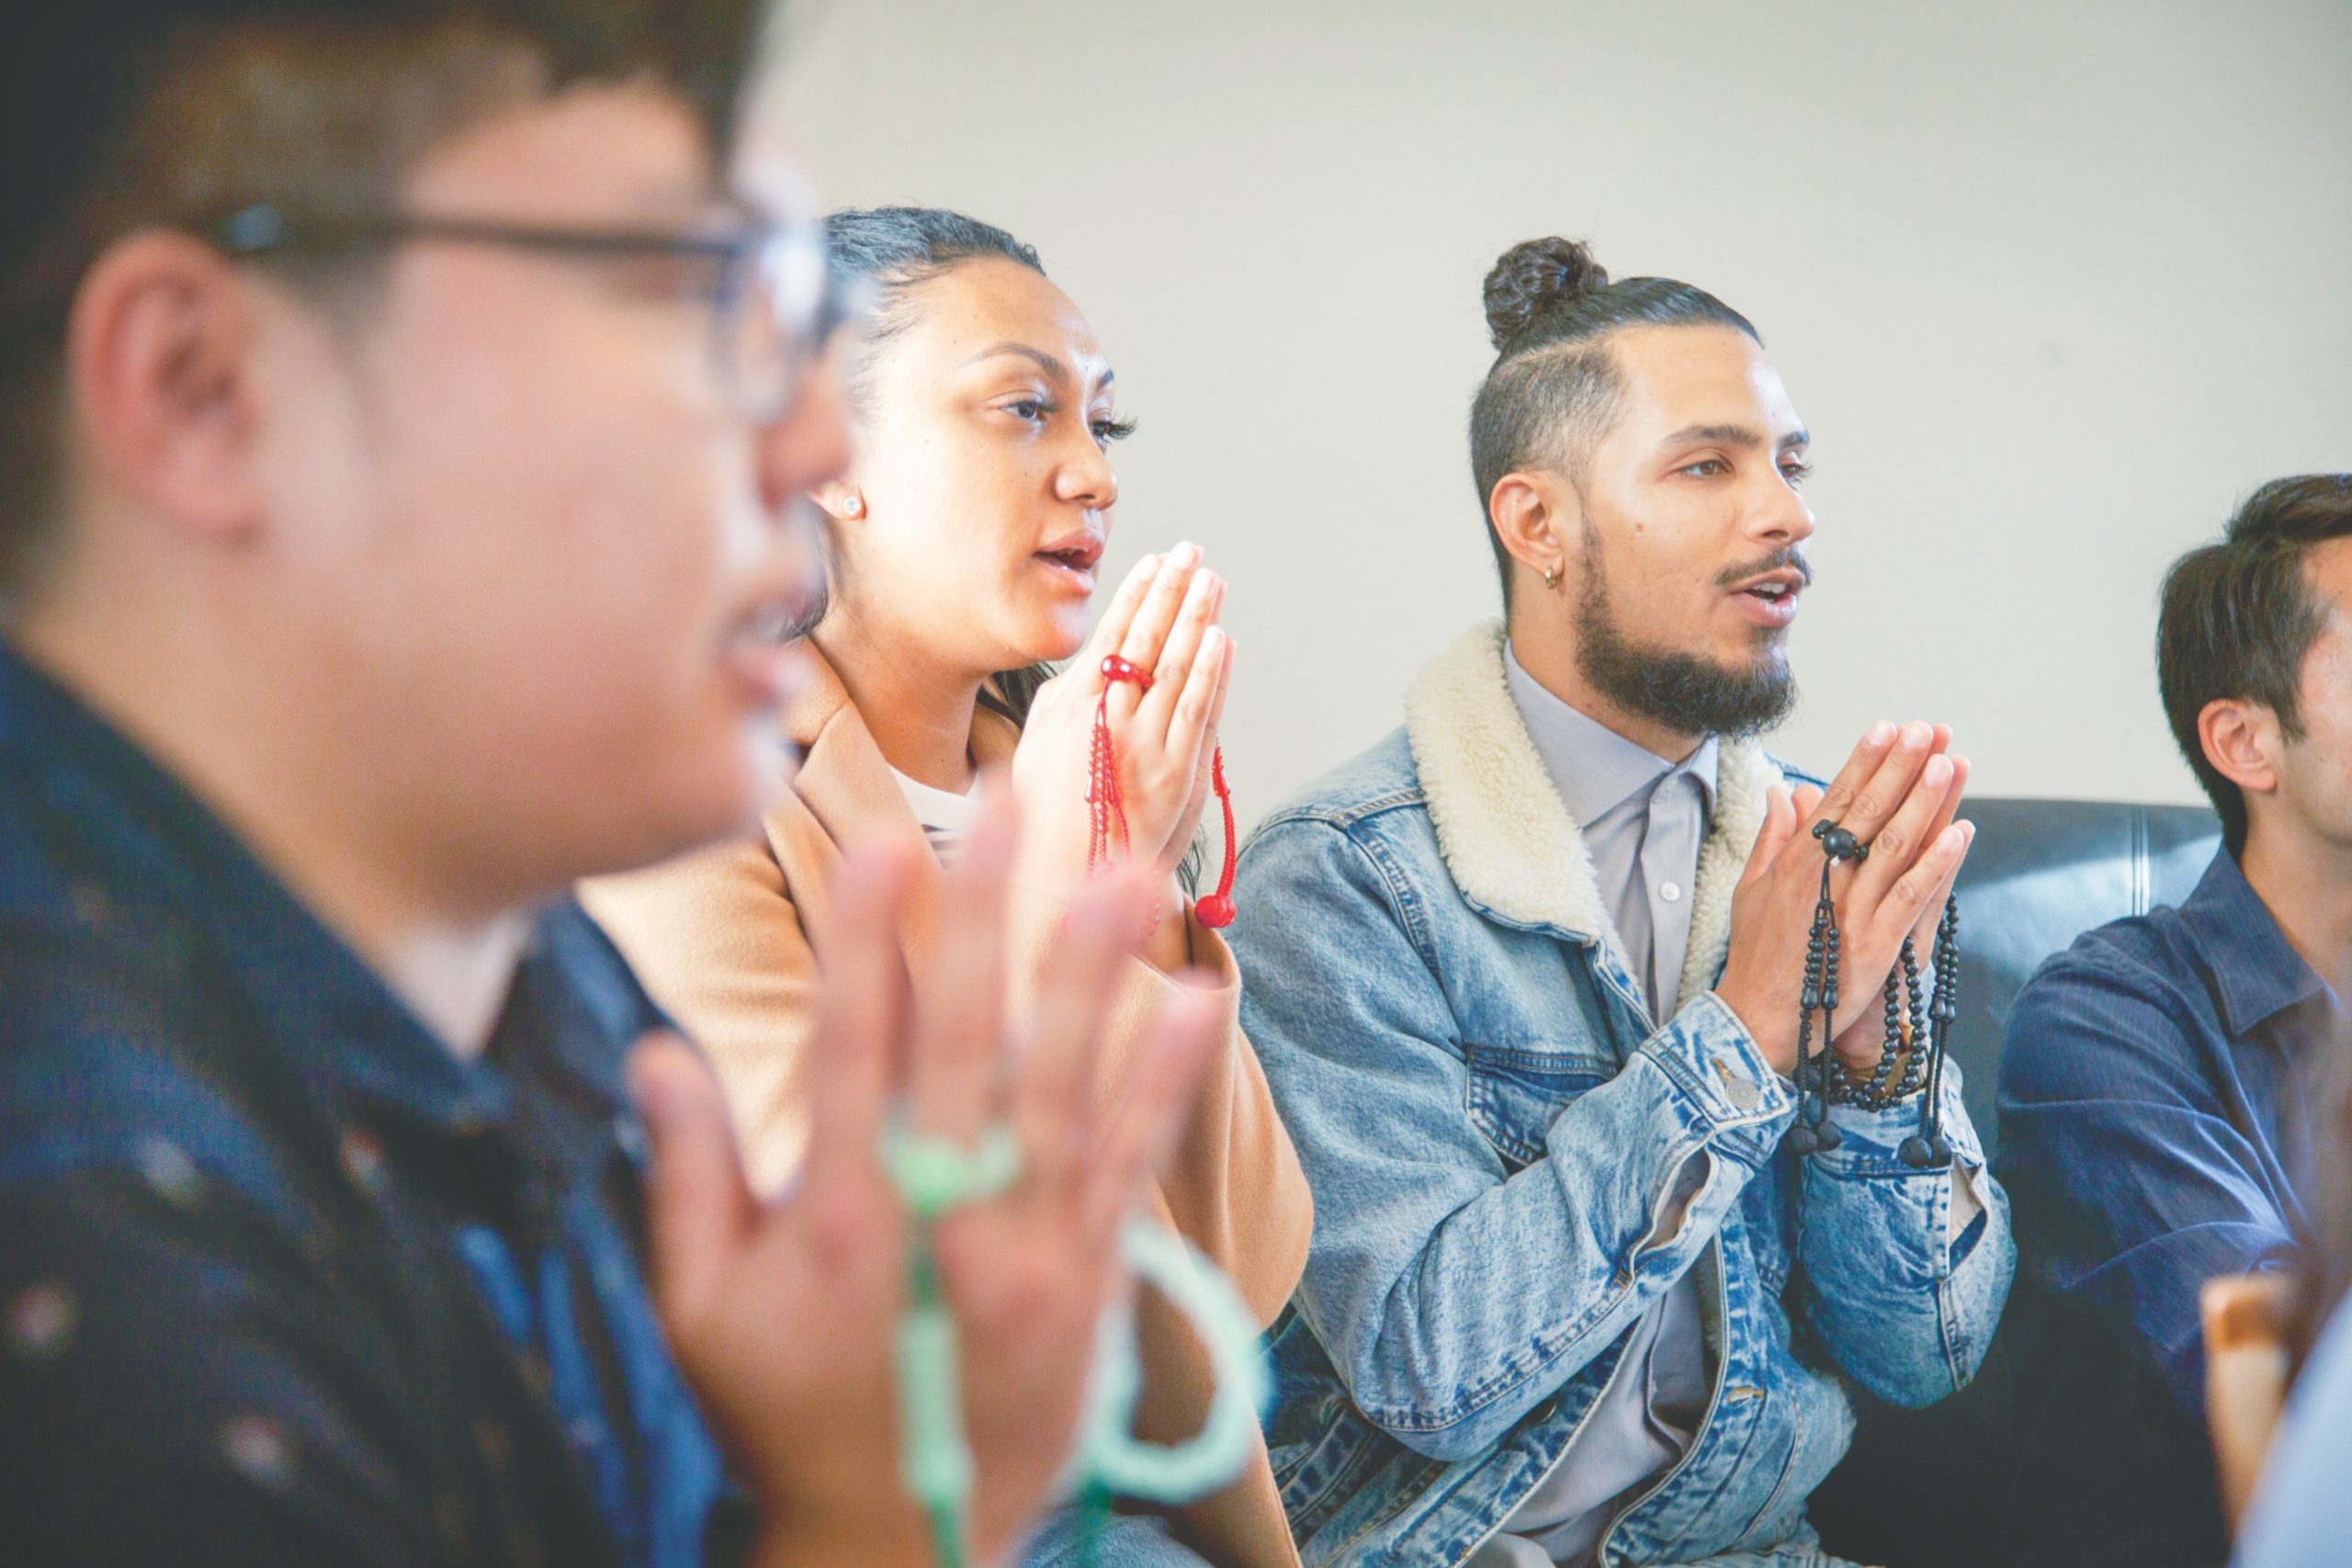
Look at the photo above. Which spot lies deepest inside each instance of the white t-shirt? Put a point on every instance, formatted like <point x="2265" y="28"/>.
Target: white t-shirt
<point x="946" y="816"/>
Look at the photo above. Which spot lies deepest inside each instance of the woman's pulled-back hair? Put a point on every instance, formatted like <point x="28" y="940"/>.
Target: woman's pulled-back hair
<point x="1555" y="388"/>
<point x="880" y="255"/>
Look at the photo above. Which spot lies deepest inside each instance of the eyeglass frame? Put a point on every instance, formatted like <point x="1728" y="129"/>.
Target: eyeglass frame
<point x="263" y="229"/>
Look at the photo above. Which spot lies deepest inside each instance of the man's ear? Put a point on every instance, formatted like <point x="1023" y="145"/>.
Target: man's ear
<point x="1535" y="513"/>
<point x="2241" y="742"/>
<point x="160" y="377"/>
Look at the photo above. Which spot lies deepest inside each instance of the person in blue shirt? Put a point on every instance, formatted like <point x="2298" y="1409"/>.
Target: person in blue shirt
<point x="2157" y="1080"/>
<point x="403" y="407"/>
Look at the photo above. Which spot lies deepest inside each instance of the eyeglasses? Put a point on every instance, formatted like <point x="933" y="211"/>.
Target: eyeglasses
<point x="773" y="302"/>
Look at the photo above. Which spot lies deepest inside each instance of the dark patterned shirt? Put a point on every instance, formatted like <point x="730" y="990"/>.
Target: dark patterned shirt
<point x="284" y="1279"/>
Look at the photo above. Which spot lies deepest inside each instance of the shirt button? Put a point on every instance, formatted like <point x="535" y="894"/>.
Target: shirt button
<point x="40" y="1321"/>
<point x="170" y="1173"/>
<point x="363" y="1159"/>
<point x="258" y="1447"/>
<point x="1671" y="891"/>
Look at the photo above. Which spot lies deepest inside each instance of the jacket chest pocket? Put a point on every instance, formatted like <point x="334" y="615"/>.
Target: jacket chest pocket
<point x="1515" y="1095"/>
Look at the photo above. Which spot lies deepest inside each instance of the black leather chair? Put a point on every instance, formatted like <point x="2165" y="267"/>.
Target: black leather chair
<point x="1935" y="1488"/>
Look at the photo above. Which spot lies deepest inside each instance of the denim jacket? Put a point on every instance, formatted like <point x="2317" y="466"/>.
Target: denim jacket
<point x="1490" y="1121"/>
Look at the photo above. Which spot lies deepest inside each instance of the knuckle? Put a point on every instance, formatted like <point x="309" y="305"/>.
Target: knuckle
<point x="1839" y="795"/>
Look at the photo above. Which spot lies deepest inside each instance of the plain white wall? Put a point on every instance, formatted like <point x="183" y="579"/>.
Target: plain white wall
<point x="2054" y="285"/>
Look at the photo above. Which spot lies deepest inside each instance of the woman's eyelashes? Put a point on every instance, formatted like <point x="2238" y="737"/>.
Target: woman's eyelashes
<point x="1031" y="410"/>
<point x="1036" y="411"/>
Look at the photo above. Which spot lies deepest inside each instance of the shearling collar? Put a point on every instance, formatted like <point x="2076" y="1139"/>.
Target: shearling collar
<point x="1509" y="842"/>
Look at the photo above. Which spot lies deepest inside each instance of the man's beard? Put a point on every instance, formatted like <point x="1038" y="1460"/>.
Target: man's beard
<point x="1685" y="692"/>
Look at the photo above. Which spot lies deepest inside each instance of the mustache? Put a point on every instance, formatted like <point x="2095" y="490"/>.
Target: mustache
<point x="1785" y="556"/>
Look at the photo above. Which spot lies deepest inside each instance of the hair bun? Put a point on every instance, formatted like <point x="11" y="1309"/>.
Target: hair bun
<point x="1535" y="277"/>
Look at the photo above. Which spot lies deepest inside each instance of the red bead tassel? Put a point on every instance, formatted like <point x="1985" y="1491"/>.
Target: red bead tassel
<point x="1106" y="811"/>
<point x="1216" y="911"/>
<point x="1107" y="814"/>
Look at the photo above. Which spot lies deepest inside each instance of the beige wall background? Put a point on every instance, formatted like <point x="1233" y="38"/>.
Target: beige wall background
<point x="2054" y="285"/>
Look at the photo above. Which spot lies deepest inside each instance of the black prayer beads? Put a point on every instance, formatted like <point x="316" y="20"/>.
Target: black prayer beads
<point x="1920" y="1048"/>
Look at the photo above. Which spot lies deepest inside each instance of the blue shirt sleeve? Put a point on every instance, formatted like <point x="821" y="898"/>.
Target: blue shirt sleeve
<point x="2132" y="1183"/>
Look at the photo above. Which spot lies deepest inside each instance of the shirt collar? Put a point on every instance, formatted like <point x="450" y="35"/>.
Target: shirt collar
<point x="2258" y="971"/>
<point x="1595" y="768"/>
<point x="188" y="884"/>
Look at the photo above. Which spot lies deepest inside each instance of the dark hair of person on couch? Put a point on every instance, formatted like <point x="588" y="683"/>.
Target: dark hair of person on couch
<point x="2239" y="616"/>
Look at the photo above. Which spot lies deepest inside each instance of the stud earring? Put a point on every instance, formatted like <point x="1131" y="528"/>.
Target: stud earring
<point x="853" y="506"/>
<point x="1551" y="576"/>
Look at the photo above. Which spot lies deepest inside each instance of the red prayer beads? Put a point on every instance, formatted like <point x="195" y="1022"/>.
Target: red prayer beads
<point x="1108" y="813"/>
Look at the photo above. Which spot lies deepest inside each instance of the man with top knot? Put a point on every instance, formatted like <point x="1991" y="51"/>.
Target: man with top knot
<point x="1591" y="1272"/>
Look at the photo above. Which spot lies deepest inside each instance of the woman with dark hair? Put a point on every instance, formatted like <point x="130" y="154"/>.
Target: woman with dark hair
<point x="963" y="542"/>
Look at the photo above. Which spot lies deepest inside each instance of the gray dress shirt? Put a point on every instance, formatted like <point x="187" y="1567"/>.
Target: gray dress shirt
<point x="1643" y="819"/>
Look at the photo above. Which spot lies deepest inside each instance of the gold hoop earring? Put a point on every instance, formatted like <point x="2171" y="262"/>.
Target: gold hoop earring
<point x="1551" y="577"/>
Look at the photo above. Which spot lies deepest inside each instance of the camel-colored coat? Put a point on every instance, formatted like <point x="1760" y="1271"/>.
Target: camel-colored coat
<point x="729" y="941"/>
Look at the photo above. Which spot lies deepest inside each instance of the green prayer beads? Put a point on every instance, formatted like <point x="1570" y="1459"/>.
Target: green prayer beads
<point x="935" y="1178"/>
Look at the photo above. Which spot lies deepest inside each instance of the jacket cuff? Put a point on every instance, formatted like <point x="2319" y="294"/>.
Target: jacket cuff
<point x="1723" y="1079"/>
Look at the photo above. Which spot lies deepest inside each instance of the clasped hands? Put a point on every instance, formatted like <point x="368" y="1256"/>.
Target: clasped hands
<point x="1163" y="620"/>
<point x="1897" y="794"/>
<point x="781" y="1312"/>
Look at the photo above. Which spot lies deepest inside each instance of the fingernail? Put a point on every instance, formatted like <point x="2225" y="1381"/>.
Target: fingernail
<point x="1917" y="732"/>
<point x="1185" y="554"/>
<point x="1145" y="567"/>
<point x="1939" y="769"/>
<point x="1880" y="733"/>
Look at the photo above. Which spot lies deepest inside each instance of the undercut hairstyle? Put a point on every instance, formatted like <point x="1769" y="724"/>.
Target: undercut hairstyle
<point x="1555" y="388"/>
<point x="2238" y="617"/>
<point x="124" y="114"/>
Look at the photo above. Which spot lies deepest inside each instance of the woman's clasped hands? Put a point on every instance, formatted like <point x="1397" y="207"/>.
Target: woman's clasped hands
<point x="1163" y="731"/>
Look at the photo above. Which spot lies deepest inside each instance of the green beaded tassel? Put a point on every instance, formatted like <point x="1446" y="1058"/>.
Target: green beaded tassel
<point x="934" y="1176"/>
